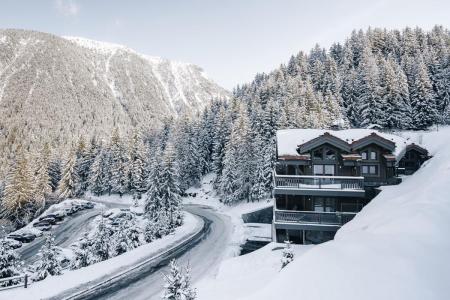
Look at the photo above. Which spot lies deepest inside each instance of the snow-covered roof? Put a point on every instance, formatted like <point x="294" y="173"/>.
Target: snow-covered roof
<point x="288" y="140"/>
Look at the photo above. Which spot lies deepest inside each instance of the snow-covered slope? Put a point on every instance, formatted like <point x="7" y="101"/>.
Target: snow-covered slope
<point x="57" y="88"/>
<point x="396" y="248"/>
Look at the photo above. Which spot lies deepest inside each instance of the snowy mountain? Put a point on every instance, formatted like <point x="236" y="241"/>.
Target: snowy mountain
<point x="54" y="88"/>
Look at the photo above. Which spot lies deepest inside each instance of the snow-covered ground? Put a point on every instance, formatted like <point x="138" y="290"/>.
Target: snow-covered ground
<point x="205" y="195"/>
<point x="395" y="248"/>
<point x="54" y="286"/>
<point x="242" y="275"/>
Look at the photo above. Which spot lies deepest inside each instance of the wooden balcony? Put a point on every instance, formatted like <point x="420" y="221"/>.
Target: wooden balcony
<point x="319" y="185"/>
<point x="312" y="217"/>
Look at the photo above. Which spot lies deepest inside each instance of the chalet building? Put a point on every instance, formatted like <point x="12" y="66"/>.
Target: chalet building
<point x="324" y="178"/>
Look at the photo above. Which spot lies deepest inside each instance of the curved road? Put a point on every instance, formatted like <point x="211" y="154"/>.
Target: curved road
<point x="203" y="258"/>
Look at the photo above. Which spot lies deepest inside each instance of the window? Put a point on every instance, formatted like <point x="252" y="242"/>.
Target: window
<point x="364" y="155"/>
<point x="330" y="154"/>
<point x="373" y="155"/>
<point x="318" y="154"/>
<point x="369" y="170"/>
<point x="327" y="170"/>
<point x="318" y="169"/>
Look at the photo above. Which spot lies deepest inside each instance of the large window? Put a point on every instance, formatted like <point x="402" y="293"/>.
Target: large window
<point x="327" y="170"/>
<point x="369" y="170"/>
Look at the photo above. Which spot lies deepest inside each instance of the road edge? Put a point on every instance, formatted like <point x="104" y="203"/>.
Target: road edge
<point x="98" y="287"/>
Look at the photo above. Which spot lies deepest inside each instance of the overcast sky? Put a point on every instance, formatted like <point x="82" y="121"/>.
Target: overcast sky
<point x="231" y="39"/>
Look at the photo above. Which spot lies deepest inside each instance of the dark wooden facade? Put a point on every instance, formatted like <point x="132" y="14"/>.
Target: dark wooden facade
<point x="330" y="180"/>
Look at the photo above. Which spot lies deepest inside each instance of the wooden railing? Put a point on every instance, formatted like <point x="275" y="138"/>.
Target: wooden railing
<point x="329" y="218"/>
<point x="14" y="282"/>
<point x="319" y="182"/>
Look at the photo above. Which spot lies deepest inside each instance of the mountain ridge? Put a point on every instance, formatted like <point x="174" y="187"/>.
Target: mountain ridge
<point x="55" y="89"/>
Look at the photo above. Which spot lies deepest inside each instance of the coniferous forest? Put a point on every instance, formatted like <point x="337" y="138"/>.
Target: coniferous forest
<point x="394" y="79"/>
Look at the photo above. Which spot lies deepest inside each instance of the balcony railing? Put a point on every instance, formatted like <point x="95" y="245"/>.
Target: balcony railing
<point x="319" y="182"/>
<point x="326" y="218"/>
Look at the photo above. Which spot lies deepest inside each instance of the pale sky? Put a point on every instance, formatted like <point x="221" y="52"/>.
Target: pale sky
<point x="231" y="40"/>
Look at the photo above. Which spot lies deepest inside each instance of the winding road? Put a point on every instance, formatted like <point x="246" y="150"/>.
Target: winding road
<point x="203" y="257"/>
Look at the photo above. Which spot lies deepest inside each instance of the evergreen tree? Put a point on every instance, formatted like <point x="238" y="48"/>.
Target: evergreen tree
<point x="43" y="184"/>
<point x="153" y="198"/>
<point x="178" y="285"/>
<point x="17" y="201"/>
<point x="9" y="264"/>
<point x="262" y="182"/>
<point x="48" y="263"/>
<point x="82" y="166"/>
<point x="83" y="256"/>
<point x="54" y="171"/>
<point x="69" y="185"/>
<point x="423" y="99"/>
<point x="126" y="238"/>
<point x="371" y="109"/>
<point x="97" y="174"/>
<point x="137" y="180"/>
<point x="238" y="161"/>
<point x="119" y="165"/>
<point x="101" y="248"/>
<point x="170" y="187"/>
<point x="395" y="96"/>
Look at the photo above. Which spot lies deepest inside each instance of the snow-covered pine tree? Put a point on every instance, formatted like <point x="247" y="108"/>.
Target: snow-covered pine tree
<point x="83" y="255"/>
<point x="19" y="192"/>
<point x="178" y="285"/>
<point x="48" y="263"/>
<point x="395" y="94"/>
<point x="43" y="184"/>
<point x="170" y="187"/>
<point x="54" y="171"/>
<point x="288" y="254"/>
<point x="423" y="100"/>
<point x="101" y="248"/>
<point x="371" y="110"/>
<point x="119" y="165"/>
<point x="82" y="165"/>
<point x="262" y="180"/>
<point x="69" y="185"/>
<point x="238" y="161"/>
<point x="137" y="180"/>
<point x="97" y="174"/>
<point x="126" y="238"/>
<point x="441" y="80"/>
<point x="220" y="138"/>
<point x="153" y="198"/>
<point x="9" y="264"/>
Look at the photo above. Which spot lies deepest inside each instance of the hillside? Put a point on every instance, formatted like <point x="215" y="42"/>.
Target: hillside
<point x="392" y="78"/>
<point x="54" y="89"/>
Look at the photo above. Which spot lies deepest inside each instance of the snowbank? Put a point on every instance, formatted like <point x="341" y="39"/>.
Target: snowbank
<point x="242" y="275"/>
<point x="396" y="248"/>
<point x="206" y="195"/>
<point x="54" y="286"/>
<point x="289" y="139"/>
